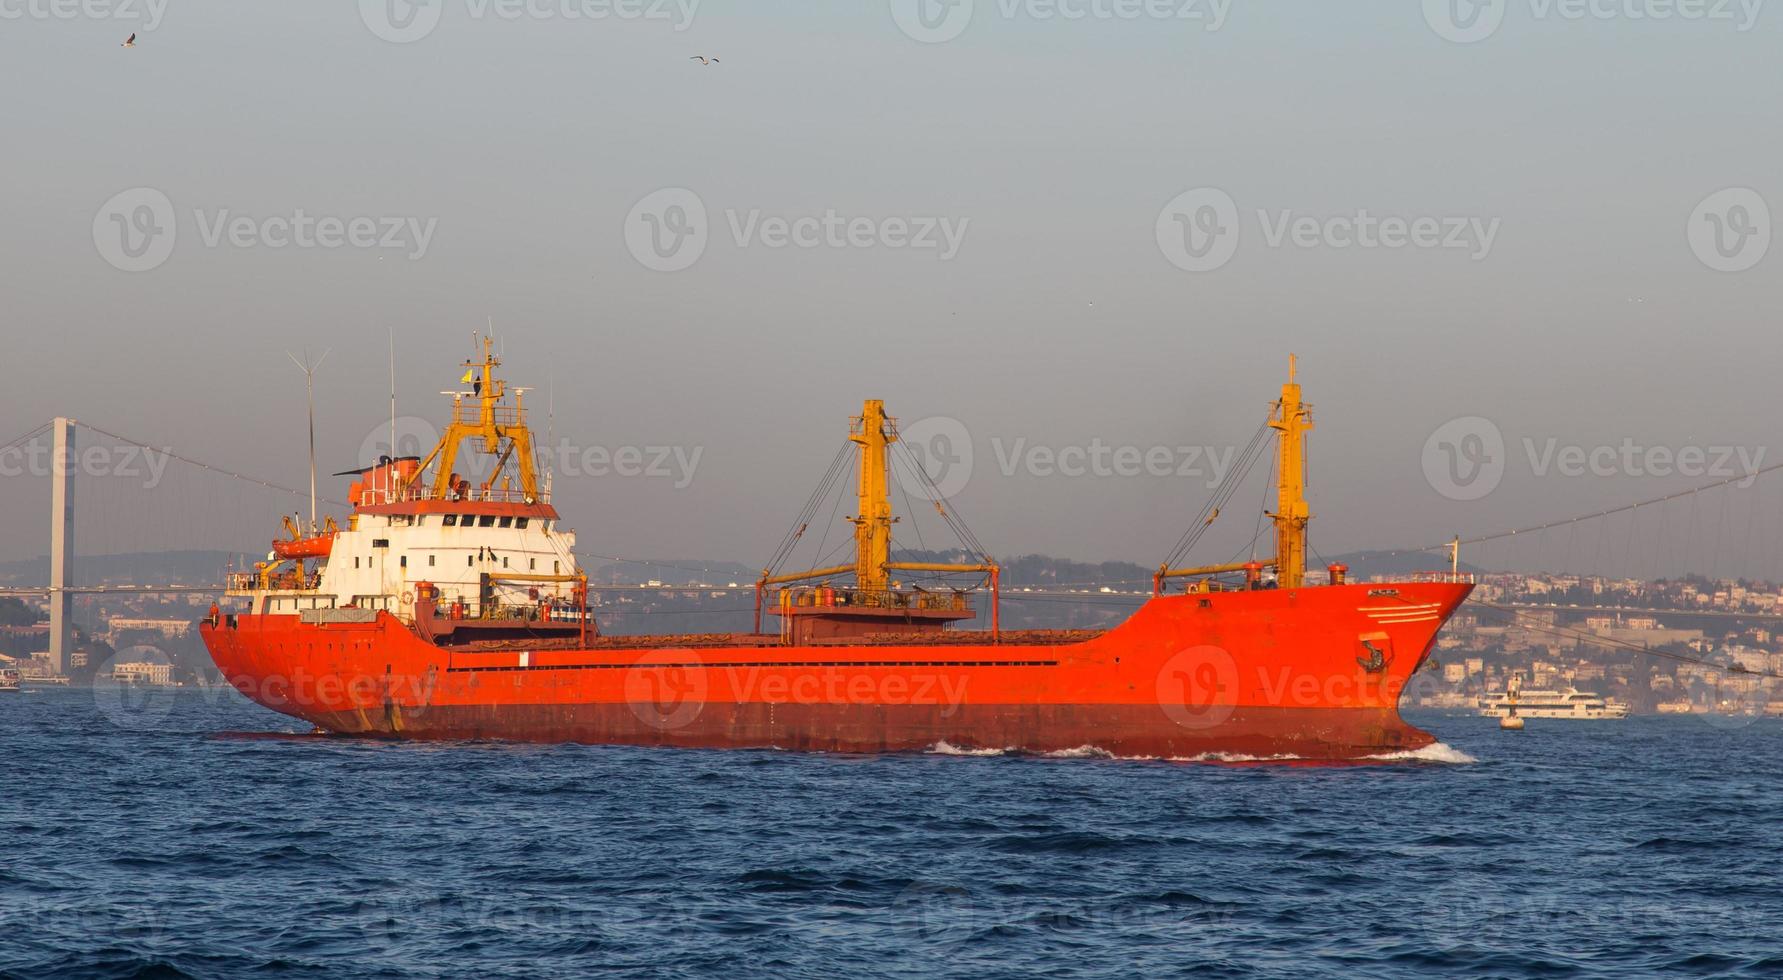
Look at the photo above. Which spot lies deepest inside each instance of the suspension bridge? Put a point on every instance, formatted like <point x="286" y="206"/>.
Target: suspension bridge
<point x="1728" y="526"/>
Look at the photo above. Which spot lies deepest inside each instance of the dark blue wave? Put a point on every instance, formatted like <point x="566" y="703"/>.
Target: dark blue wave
<point x="203" y="837"/>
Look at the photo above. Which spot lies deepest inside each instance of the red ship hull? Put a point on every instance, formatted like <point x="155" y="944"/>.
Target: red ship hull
<point x="1312" y="673"/>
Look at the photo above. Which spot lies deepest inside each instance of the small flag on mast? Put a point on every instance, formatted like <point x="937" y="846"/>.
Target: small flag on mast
<point x="468" y="376"/>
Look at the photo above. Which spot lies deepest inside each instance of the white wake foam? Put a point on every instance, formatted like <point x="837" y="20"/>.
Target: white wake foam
<point x="944" y="747"/>
<point x="1234" y="757"/>
<point x="1434" y="752"/>
<point x="1082" y="752"/>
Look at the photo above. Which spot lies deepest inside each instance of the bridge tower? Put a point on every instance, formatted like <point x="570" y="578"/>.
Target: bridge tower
<point x="62" y="467"/>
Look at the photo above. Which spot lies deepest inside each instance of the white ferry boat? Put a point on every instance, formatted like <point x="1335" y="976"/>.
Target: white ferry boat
<point x="9" y="681"/>
<point x="1570" y="703"/>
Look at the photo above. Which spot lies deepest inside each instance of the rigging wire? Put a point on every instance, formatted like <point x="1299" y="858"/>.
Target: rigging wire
<point x="1748" y="478"/>
<point x="206" y="466"/>
<point x="1221" y="495"/>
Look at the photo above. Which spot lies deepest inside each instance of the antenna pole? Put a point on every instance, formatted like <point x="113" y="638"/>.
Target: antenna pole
<point x="309" y="384"/>
<point x="392" y="400"/>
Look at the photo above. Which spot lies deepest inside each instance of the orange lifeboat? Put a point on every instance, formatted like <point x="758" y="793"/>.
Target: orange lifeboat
<point x="314" y="547"/>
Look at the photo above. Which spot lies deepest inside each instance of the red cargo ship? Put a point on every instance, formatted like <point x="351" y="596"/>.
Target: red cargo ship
<point x="452" y="610"/>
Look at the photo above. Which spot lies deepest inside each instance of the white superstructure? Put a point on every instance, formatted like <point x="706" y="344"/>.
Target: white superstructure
<point x="422" y="534"/>
<point x="1570" y="703"/>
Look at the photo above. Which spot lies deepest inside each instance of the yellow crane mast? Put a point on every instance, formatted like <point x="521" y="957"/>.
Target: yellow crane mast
<point x="1291" y="419"/>
<point x="874" y="432"/>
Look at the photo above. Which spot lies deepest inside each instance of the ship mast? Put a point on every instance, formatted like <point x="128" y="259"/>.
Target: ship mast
<point x="502" y="430"/>
<point x="872" y="525"/>
<point x="875" y="432"/>
<point x="1291" y="421"/>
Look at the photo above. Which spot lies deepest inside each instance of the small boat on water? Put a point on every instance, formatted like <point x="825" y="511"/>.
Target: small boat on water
<point x="9" y="681"/>
<point x="1570" y="703"/>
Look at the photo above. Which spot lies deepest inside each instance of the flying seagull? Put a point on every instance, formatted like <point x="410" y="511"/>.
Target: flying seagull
<point x="129" y="42"/>
<point x="702" y="59"/>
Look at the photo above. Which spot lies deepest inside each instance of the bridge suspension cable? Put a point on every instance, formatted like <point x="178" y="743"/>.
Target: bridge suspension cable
<point x="1594" y="515"/>
<point x="268" y="484"/>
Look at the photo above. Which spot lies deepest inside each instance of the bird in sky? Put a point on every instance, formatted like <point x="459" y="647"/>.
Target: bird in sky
<point x="129" y="42"/>
<point x="702" y="59"/>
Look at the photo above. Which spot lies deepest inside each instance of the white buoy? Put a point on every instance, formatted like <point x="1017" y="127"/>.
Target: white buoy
<point x="1511" y="722"/>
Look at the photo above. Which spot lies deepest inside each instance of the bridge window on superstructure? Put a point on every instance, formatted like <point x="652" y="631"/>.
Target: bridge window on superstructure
<point x="487" y="521"/>
<point x="449" y="520"/>
<point x="521" y="522"/>
<point x="507" y="522"/>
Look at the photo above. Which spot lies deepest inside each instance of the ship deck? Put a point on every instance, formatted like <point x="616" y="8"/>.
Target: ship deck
<point x="654" y="641"/>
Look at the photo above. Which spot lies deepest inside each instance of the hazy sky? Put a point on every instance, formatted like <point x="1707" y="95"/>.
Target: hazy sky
<point x="1051" y="146"/>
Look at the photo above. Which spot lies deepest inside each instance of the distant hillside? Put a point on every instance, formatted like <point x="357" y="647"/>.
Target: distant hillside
<point x="673" y="571"/>
<point x="207" y="567"/>
<point x="151" y="568"/>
